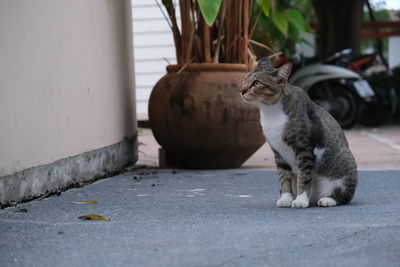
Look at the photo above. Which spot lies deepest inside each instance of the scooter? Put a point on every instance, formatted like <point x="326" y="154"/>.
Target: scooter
<point x="383" y="104"/>
<point x="365" y="64"/>
<point x="342" y="92"/>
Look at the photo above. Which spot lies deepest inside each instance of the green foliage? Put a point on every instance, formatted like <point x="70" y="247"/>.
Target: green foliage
<point x="297" y="20"/>
<point x="386" y="81"/>
<point x="281" y="22"/>
<point x="285" y="25"/>
<point x="278" y="25"/>
<point x="209" y="10"/>
<point x="166" y="3"/>
<point x="265" y="6"/>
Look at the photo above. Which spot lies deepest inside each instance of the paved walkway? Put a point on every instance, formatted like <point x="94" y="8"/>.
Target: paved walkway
<point x="374" y="149"/>
<point x="203" y="218"/>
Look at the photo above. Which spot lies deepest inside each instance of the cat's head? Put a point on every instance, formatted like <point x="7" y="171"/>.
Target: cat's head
<point x="266" y="84"/>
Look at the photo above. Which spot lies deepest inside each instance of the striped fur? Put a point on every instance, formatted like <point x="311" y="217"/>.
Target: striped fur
<point x="312" y="155"/>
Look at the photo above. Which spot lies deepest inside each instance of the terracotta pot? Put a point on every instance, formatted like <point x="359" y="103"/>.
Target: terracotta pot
<point x="198" y="117"/>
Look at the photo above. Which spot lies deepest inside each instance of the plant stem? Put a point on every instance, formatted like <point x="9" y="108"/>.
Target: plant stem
<point x="219" y="35"/>
<point x="255" y="23"/>
<point x="176" y="33"/>
<point x="263" y="46"/>
<point x="191" y="31"/>
<point x="206" y="41"/>
<point x="246" y="22"/>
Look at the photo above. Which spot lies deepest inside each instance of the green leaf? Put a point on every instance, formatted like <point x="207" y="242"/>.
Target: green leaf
<point x="166" y="3"/>
<point x="264" y="4"/>
<point x="296" y="19"/>
<point x="209" y="10"/>
<point x="280" y="22"/>
<point x="294" y="33"/>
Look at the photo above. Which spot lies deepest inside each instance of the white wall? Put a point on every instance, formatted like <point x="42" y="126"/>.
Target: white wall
<point x="153" y="41"/>
<point x="393" y="53"/>
<point x="64" y="80"/>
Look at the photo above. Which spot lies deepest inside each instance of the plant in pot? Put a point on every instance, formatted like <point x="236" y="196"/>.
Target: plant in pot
<point x="195" y="110"/>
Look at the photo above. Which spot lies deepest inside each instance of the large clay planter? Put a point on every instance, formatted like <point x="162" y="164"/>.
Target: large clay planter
<point x="199" y="118"/>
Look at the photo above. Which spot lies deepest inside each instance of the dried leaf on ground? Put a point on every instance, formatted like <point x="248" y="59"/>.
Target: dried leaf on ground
<point x="85" y="202"/>
<point x="94" y="217"/>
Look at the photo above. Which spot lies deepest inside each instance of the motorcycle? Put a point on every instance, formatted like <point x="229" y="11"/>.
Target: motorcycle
<point x="383" y="104"/>
<point x="342" y="92"/>
<point x="364" y="65"/>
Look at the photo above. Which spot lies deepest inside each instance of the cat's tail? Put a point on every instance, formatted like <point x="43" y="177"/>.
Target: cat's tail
<point x="344" y="194"/>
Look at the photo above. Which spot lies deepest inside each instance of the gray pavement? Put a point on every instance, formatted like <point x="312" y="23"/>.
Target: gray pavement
<point x="203" y="218"/>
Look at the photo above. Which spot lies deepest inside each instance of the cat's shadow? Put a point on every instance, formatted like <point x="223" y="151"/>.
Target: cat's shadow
<point x="271" y="207"/>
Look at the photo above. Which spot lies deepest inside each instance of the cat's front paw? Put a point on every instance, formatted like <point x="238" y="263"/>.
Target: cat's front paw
<point x="301" y="201"/>
<point x="285" y="201"/>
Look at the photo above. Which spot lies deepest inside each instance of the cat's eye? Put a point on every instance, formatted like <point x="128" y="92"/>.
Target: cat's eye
<point x="256" y="84"/>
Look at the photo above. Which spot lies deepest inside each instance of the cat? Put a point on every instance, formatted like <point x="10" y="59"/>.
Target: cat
<point x="312" y="155"/>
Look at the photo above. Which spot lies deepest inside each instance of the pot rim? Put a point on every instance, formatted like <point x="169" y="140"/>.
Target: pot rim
<point x="193" y="67"/>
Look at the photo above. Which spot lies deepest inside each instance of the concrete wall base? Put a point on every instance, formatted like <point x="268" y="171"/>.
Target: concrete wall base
<point x="36" y="181"/>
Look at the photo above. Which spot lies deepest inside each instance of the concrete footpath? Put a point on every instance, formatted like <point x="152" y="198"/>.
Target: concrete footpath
<point x="374" y="149"/>
<point x="203" y="218"/>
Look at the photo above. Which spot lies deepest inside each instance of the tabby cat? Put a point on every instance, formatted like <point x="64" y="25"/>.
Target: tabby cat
<point x="314" y="162"/>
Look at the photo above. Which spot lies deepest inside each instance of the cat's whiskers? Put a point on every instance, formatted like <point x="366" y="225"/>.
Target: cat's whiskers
<point x="257" y="98"/>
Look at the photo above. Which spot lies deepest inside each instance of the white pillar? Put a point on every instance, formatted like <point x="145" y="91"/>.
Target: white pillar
<point x="393" y="53"/>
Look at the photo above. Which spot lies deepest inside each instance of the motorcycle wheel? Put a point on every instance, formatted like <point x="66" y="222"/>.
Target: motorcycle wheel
<point x="340" y="101"/>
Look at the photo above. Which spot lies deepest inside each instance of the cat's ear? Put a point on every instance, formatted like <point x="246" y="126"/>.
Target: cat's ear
<point x="284" y="71"/>
<point x="286" y="90"/>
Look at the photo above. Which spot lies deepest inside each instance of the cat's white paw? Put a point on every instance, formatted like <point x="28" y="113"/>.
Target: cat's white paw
<point x="285" y="200"/>
<point x="301" y="201"/>
<point x="327" y="202"/>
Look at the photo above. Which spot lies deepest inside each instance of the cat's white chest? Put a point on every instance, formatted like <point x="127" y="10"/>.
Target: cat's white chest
<point x="273" y="122"/>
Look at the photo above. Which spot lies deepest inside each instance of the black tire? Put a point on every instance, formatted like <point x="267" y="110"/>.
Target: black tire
<point x="348" y="105"/>
<point x="353" y="114"/>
